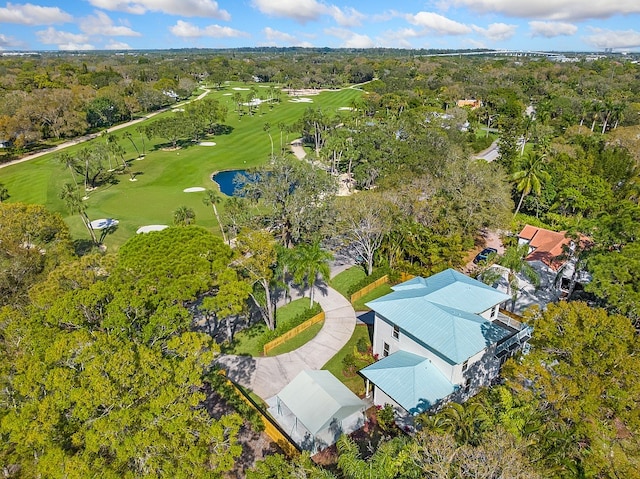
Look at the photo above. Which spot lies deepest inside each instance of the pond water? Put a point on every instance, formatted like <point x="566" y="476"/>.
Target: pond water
<point x="225" y="181"/>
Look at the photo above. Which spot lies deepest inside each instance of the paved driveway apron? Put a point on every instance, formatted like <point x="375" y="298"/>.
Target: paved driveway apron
<point x="266" y="376"/>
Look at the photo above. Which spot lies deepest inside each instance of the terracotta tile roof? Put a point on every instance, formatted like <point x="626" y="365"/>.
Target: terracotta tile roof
<point x="548" y="245"/>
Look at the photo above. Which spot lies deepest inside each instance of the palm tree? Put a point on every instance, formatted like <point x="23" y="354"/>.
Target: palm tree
<point x="465" y="422"/>
<point x="4" y="193"/>
<point x="514" y="260"/>
<point x="128" y="136"/>
<point x="74" y="203"/>
<point x="212" y="198"/>
<point x="310" y="261"/>
<point x="267" y="128"/>
<point x="184" y="216"/>
<point x="531" y="176"/>
<point x="142" y="131"/>
<point x="69" y="162"/>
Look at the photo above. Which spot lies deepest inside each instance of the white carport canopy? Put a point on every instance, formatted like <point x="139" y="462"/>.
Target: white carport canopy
<point x="317" y="398"/>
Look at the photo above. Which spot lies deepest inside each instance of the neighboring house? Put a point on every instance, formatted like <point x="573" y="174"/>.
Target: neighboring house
<point x="554" y="256"/>
<point x="473" y="104"/>
<point x="315" y="409"/>
<point x="439" y="339"/>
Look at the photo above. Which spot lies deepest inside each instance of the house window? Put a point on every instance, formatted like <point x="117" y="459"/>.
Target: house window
<point x="385" y="350"/>
<point x="396" y="331"/>
<point x="465" y="365"/>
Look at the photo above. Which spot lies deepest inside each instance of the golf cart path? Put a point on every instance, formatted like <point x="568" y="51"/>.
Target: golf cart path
<point x="82" y="139"/>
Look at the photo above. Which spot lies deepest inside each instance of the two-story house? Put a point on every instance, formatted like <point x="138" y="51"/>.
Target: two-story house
<point x="439" y="339"/>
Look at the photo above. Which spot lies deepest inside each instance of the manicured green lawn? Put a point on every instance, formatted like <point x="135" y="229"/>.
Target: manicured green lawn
<point x="250" y="341"/>
<point x="298" y="340"/>
<point x="163" y="175"/>
<point x="334" y="365"/>
<point x="345" y="280"/>
<point x="359" y="305"/>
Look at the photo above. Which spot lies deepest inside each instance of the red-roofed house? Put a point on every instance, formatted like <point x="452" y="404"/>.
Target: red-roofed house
<point x="554" y="251"/>
<point x="549" y="247"/>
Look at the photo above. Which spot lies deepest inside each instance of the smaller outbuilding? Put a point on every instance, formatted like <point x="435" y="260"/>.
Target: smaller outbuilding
<point x="315" y="409"/>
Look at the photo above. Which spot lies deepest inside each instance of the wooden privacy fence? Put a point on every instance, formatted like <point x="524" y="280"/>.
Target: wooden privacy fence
<point x="292" y="332"/>
<point x="271" y="428"/>
<point x="406" y="277"/>
<point x="367" y="289"/>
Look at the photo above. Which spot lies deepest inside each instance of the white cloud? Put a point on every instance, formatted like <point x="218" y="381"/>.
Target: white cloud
<point x="304" y="11"/>
<point x="552" y="29"/>
<point x="601" y="38"/>
<point x="349" y="17"/>
<point x="277" y="36"/>
<point x="386" y="16"/>
<point x="434" y="23"/>
<point x="101" y="24"/>
<point x="188" y="30"/>
<point x="399" y="38"/>
<point x="497" y="31"/>
<point x="65" y="40"/>
<point x="184" y="8"/>
<point x="9" y="42"/>
<point x="113" y="45"/>
<point x="350" y="39"/>
<point x="550" y="9"/>
<point x="28" y="14"/>
<point x="358" y="41"/>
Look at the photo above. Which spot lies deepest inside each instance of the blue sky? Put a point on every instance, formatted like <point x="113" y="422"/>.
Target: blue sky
<point x="555" y="25"/>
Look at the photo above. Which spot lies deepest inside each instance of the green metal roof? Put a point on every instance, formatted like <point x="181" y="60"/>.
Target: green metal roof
<point x="412" y="381"/>
<point x="316" y="398"/>
<point x="440" y="313"/>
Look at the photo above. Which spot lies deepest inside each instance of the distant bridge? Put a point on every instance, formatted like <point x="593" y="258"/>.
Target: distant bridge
<point x="512" y="53"/>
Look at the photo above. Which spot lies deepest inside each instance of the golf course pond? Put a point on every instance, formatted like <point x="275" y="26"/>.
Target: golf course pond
<point x="225" y="180"/>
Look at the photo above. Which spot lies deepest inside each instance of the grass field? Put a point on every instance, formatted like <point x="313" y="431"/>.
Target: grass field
<point x="163" y="175"/>
<point x="355" y="382"/>
<point x="359" y="305"/>
<point x="250" y="341"/>
<point x="342" y="282"/>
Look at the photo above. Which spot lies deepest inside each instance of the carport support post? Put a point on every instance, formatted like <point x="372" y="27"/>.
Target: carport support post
<point x="367" y="388"/>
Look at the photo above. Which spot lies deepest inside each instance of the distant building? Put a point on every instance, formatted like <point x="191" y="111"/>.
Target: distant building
<point x="473" y="104"/>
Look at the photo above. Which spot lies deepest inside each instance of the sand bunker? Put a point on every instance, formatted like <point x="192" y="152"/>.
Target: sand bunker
<point x="227" y="94"/>
<point x="240" y="89"/>
<point x="175" y="110"/>
<point x="103" y="223"/>
<point x="301" y="100"/>
<point x="150" y="228"/>
<point x="345" y="108"/>
<point x="207" y="143"/>
<point x="193" y="189"/>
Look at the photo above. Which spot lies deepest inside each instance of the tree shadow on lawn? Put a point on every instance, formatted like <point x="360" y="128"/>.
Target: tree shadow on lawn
<point x="222" y="130"/>
<point x="83" y="247"/>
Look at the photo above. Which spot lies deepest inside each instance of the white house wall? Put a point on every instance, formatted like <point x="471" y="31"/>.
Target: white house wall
<point x="383" y="332"/>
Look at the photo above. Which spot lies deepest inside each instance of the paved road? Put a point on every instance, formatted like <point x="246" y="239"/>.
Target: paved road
<point x="266" y="376"/>
<point x="490" y="154"/>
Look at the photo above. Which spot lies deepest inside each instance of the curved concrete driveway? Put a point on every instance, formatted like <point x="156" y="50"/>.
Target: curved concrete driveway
<point x="266" y="376"/>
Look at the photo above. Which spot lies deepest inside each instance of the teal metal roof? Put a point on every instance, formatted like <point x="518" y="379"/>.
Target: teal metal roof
<point x="454" y="289"/>
<point x="438" y="312"/>
<point x="317" y="397"/>
<point x="412" y="381"/>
